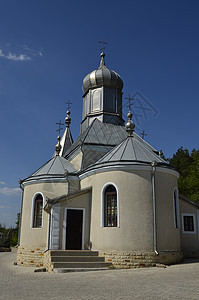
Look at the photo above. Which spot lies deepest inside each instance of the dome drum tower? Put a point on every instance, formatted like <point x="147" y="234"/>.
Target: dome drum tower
<point x="102" y="97"/>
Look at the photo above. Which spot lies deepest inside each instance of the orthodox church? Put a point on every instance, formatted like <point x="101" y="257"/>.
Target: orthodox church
<point x="109" y="197"/>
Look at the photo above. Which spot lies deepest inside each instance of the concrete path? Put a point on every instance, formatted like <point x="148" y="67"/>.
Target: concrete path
<point x="175" y="282"/>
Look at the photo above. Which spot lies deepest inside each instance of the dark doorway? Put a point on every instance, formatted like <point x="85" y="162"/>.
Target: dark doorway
<point x="74" y="229"/>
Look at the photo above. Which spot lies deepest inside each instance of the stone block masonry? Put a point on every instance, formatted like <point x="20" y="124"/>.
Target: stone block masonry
<point x="36" y="257"/>
<point x="127" y="260"/>
<point x="47" y="261"/>
<point x="30" y="257"/>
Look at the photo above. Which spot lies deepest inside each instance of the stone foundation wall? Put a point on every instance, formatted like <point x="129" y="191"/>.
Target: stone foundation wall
<point x="127" y="260"/>
<point x="30" y="257"/>
<point x="38" y="258"/>
<point x="47" y="261"/>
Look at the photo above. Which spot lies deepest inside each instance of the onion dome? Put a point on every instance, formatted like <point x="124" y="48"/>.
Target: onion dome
<point x="102" y="77"/>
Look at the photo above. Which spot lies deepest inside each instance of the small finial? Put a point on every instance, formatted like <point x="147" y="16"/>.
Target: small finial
<point x="102" y="63"/>
<point x="68" y="118"/>
<point x="130" y="125"/>
<point x="58" y="146"/>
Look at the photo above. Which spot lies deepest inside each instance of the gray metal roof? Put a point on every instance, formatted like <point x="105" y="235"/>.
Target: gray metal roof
<point x="99" y="133"/>
<point x="131" y="150"/>
<point x="102" y="77"/>
<point x="56" y="167"/>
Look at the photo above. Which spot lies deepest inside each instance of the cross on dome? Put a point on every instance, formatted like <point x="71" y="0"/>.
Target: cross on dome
<point x="60" y="124"/>
<point x="130" y="99"/>
<point x="103" y="43"/>
<point x="68" y="104"/>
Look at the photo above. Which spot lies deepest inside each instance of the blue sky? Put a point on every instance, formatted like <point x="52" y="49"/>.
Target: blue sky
<point x="46" y="49"/>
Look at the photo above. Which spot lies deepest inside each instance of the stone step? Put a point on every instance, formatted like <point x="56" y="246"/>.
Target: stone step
<point x="73" y="253"/>
<point x="76" y="259"/>
<point x="81" y="265"/>
<point x="67" y="270"/>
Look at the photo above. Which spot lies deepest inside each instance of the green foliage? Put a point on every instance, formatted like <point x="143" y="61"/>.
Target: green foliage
<point x="187" y="164"/>
<point x="10" y="235"/>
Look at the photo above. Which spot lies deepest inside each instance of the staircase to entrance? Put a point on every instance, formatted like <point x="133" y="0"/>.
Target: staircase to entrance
<point x="61" y="261"/>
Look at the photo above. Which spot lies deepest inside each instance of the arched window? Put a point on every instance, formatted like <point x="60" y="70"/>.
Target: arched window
<point x="110" y="207"/>
<point x="176" y="208"/>
<point x="37" y="211"/>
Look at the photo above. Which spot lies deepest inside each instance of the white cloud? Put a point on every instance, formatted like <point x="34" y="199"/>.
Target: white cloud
<point x="2" y="182"/>
<point x="10" y="191"/>
<point x="34" y="52"/>
<point x="3" y="206"/>
<point x="14" y="57"/>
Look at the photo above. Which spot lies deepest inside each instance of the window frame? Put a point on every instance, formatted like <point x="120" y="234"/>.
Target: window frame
<point x="102" y="206"/>
<point x="33" y="211"/>
<point x="194" y="223"/>
<point x="176" y="211"/>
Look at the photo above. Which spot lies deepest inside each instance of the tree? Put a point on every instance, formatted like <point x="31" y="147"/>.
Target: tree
<point x="187" y="164"/>
<point x="10" y="235"/>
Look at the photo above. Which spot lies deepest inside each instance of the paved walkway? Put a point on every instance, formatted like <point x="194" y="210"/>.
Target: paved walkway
<point x="175" y="282"/>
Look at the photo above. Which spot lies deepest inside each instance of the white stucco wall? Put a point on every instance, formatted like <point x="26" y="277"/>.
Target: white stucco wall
<point x="135" y="210"/>
<point x="168" y="237"/>
<point x="135" y="232"/>
<point x="190" y="241"/>
<point x="37" y="237"/>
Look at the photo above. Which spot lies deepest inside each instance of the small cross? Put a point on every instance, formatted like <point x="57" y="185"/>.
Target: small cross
<point x="143" y="134"/>
<point x="68" y="104"/>
<point x="103" y="43"/>
<point x="59" y="126"/>
<point x="130" y="104"/>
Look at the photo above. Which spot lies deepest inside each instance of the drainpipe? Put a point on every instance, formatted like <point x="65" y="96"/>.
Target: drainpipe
<point x="49" y="227"/>
<point x="48" y="210"/>
<point x="153" y="164"/>
<point x="19" y="232"/>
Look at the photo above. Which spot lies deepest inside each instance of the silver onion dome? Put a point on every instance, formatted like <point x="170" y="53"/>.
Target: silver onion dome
<point x="102" y="77"/>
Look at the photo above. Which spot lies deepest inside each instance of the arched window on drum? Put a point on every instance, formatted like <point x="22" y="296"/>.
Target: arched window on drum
<point x="37" y="213"/>
<point x="110" y="207"/>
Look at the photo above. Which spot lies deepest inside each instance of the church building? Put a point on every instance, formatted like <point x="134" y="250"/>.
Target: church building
<point x="108" y="198"/>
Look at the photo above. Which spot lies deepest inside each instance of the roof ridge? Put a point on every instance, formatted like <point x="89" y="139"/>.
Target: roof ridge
<point x="88" y="129"/>
<point x="52" y="164"/>
<point x="100" y="125"/>
<point x="94" y="129"/>
<point x="41" y="167"/>
<point x="133" y="146"/>
<point x="111" y="152"/>
<point x="148" y="151"/>
<point x="62" y="162"/>
<point x="124" y="147"/>
<point x="144" y="142"/>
